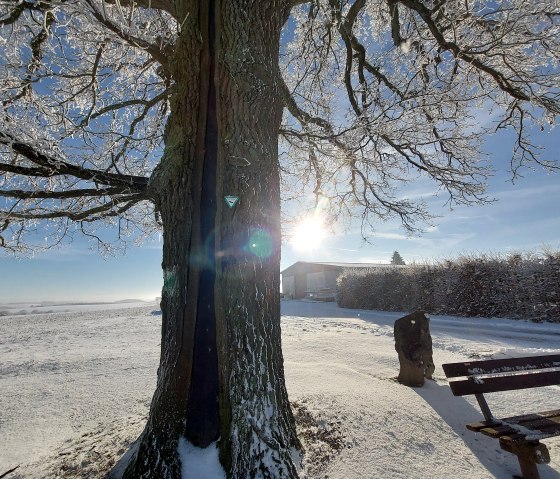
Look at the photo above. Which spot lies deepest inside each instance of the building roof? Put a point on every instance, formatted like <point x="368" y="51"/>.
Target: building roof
<point x="354" y="265"/>
<point x="340" y="265"/>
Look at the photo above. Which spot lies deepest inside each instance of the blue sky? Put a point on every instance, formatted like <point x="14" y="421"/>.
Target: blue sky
<point x="525" y="217"/>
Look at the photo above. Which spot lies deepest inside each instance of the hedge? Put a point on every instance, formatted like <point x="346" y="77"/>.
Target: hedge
<point x="516" y="286"/>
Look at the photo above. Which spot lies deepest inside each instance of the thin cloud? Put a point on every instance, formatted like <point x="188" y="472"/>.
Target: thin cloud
<point x="527" y="192"/>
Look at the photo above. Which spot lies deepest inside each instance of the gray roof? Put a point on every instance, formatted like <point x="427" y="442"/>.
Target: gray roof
<point x="350" y="265"/>
<point x="340" y="265"/>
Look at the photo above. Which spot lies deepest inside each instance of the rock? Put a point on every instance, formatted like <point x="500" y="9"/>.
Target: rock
<point x="413" y="344"/>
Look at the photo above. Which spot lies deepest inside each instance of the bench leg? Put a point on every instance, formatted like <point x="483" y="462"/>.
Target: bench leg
<point x="528" y="467"/>
<point x="529" y="455"/>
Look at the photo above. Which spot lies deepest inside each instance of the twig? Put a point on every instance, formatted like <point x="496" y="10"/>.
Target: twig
<point x="9" y="472"/>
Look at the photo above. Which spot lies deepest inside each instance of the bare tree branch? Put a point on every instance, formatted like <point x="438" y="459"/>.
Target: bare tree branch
<point x="161" y="53"/>
<point x="395" y="23"/>
<point x="137" y="101"/>
<point x="20" y="7"/>
<point x="108" y="209"/>
<point x="164" y="5"/>
<point x="503" y="82"/>
<point x="60" y="195"/>
<point x="53" y="166"/>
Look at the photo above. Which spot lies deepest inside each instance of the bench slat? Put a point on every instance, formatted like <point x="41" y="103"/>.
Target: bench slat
<point x="543" y="425"/>
<point x="499" y="431"/>
<point x="550" y="429"/>
<point x="529" y="417"/>
<point x="494" y="366"/>
<point x="504" y="383"/>
<point x="478" y="425"/>
<point x="539" y="422"/>
<point x="515" y="435"/>
<point x="537" y="427"/>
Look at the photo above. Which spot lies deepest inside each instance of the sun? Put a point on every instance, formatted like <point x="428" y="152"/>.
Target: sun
<point x="309" y="234"/>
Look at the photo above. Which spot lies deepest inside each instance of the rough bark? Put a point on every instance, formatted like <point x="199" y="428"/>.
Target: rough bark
<point x="258" y="431"/>
<point x="221" y="368"/>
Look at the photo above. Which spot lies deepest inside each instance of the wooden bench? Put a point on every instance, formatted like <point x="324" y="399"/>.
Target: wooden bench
<point x="519" y="435"/>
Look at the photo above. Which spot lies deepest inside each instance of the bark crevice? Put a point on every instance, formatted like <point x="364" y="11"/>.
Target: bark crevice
<point x="202" y="422"/>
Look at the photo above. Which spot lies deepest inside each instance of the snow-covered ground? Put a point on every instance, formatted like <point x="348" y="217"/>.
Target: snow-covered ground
<point x="75" y="387"/>
<point x="44" y="307"/>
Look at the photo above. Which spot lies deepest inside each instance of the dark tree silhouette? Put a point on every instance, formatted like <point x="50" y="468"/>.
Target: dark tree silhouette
<point x="397" y="259"/>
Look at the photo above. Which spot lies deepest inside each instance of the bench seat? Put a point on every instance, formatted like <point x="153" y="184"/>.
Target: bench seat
<point x="528" y="427"/>
<point x="519" y="435"/>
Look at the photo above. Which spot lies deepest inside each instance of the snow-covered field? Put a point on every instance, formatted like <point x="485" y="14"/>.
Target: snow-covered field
<point x="45" y="307"/>
<point x="75" y="387"/>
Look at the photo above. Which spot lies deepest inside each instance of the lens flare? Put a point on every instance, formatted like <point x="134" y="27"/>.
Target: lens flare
<point x="260" y="243"/>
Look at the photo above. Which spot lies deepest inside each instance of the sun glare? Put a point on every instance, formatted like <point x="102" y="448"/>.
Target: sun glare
<point x="308" y="234"/>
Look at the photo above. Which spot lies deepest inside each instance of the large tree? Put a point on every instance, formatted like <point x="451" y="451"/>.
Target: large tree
<point x="144" y="114"/>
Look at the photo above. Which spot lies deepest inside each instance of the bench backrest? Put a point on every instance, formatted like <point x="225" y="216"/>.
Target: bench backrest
<point x="494" y="375"/>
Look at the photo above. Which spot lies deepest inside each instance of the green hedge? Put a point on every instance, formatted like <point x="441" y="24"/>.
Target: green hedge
<point x="516" y="286"/>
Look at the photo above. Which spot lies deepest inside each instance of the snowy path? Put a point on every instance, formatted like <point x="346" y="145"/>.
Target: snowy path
<point x="65" y="375"/>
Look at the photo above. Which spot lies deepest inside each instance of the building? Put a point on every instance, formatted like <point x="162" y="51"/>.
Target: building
<point x="305" y="279"/>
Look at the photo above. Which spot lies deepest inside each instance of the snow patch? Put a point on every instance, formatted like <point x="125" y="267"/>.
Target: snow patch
<point x="406" y="45"/>
<point x="199" y="463"/>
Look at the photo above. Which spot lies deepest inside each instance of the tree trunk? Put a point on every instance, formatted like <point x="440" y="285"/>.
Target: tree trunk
<point x="221" y="369"/>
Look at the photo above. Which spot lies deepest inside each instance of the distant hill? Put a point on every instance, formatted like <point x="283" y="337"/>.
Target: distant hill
<point x="75" y="303"/>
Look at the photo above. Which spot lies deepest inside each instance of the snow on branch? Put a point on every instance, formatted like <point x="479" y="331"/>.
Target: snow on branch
<point x="388" y="92"/>
<point x="75" y="193"/>
<point x="113" y="207"/>
<point x="84" y="99"/>
<point x="161" y="50"/>
<point x="507" y="80"/>
<point x="18" y="8"/>
<point x="165" y="5"/>
<point x="50" y="166"/>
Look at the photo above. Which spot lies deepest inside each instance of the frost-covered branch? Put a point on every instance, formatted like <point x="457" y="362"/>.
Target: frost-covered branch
<point x="388" y="92"/>
<point x="16" y="8"/>
<point x="147" y="104"/>
<point x="472" y="55"/>
<point x="76" y="193"/>
<point x="164" y="5"/>
<point x="84" y="103"/>
<point x="161" y="52"/>
<point x="50" y="166"/>
<point x="113" y="207"/>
